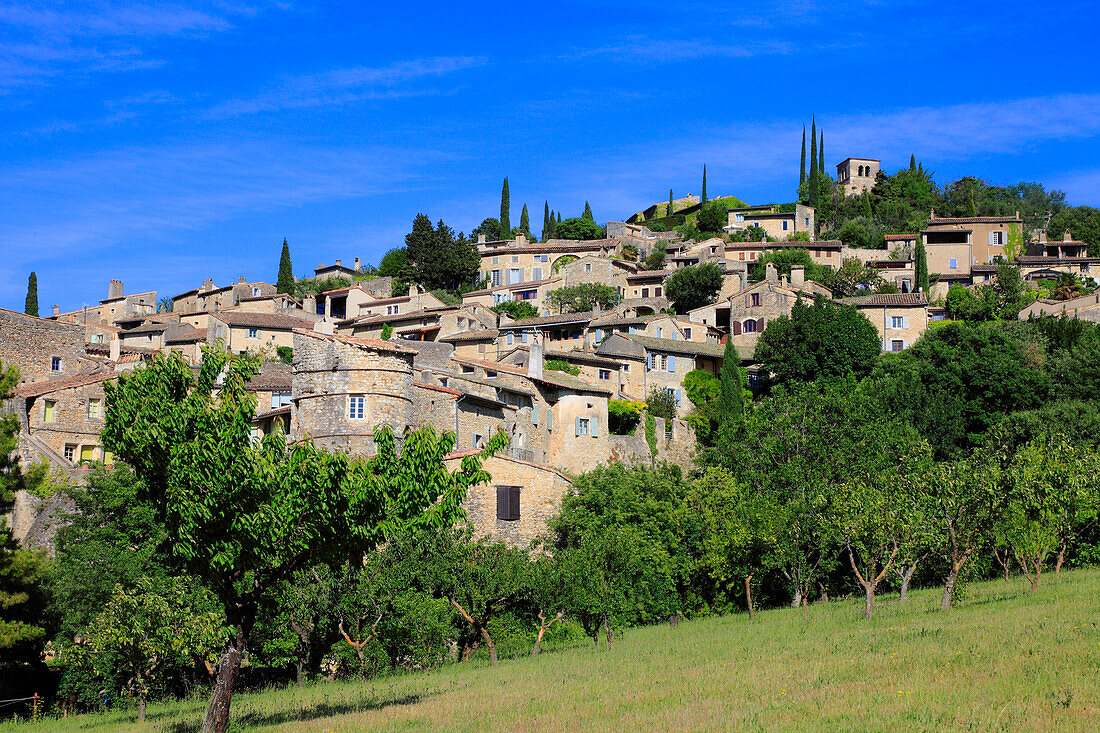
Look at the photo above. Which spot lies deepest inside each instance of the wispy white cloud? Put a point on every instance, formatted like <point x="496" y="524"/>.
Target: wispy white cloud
<point x="645" y="49"/>
<point x="350" y="85"/>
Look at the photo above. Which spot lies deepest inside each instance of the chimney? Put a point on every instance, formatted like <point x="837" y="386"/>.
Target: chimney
<point x="114" y="290"/>
<point x="1066" y="237"/>
<point x="1017" y="213"/>
<point x="1042" y="236"/>
<point x="783" y="280"/>
<point x="534" y="362"/>
<point x="56" y="311"/>
<point x="208" y="284"/>
<point x="770" y="272"/>
<point x="337" y="263"/>
<point x="309" y="304"/>
<point x="798" y="275"/>
<point x="481" y="237"/>
<point x="413" y="290"/>
<point x="521" y="239"/>
<point x="740" y="280"/>
<point x="241" y="280"/>
<point x="325" y="327"/>
<point x="358" y="264"/>
<point x="932" y="215"/>
<point x="116" y="348"/>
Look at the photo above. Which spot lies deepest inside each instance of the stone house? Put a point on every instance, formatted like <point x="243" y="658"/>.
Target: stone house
<point x="514" y="262"/>
<point x="281" y="303"/>
<point x="779" y="225"/>
<point x="596" y="268"/>
<point x="548" y="329"/>
<point x="431" y="324"/>
<point x="856" y="175"/>
<point x="340" y="303"/>
<point x="666" y="363"/>
<point x="516" y="504"/>
<point x="904" y="242"/>
<point x="113" y="307"/>
<point x="593" y="368"/>
<point x="954" y="244"/>
<point x="647" y="284"/>
<point x="533" y="292"/>
<point x="480" y="344"/>
<point x="209" y="298"/>
<point x="472" y="416"/>
<point x="414" y="301"/>
<point x="345" y="386"/>
<point x="1086" y="307"/>
<point x="240" y="331"/>
<point x="899" y="318"/>
<point x="61" y="419"/>
<point x="41" y="348"/>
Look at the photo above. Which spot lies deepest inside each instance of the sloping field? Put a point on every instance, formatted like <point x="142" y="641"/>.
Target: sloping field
<point x="1007" y="659"/>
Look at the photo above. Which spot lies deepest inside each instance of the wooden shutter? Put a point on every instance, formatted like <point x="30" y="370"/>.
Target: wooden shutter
<point x="503" y="496"/>
<point x="577" y="426"/>
<point x="534" y="414"/>
<point x="905" y="322"/>
<point x="735" y="327"/>
<point x="594" y="426"/>
<point x="513" y="503"/>
<point x="670" y="362"/>
<point x="759" y="324"/>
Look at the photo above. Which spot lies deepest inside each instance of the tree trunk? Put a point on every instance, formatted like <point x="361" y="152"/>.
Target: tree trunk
<point x="797" y="600"/>
<point x="1061" y="557"/>
<point x="824" y="593"/>
<point x="610" y="634"/>
<point x="869" y="600"/>
<point x="748" y="595"/>
<point x="489" y="643"/>
<point x="544" y="625"/>
<point x="949" y="588"/>
<point x="141" y="708"/>
<point x="303" y="633"/>
<point x="229" y="668"/>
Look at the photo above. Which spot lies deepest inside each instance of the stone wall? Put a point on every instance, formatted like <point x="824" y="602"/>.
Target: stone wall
<point x="32" y="343"/>
<point x="72" y="426"/>
<point x="327" y="372"/>
<point x="677" y="446"/>
<point x="540" y="493"/>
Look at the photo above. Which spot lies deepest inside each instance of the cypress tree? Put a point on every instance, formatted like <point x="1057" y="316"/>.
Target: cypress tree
<point x="802" y="167"/>
<point x="730" y="403"/>
<point x="285" y="283"/>
<point x="866" y="203"/>
<point x="668" y="211"/>
<point x="31" y="308"/>
<point x="587" y="212"/>
<point x="821" y="160"/>
<point x="921" y="266"/>
<point x="524" y="221"/>
<point x="813" y="147"/>
<point x="703" y="196"/>
<point x="546" y="228"/>
<point x="505" y="216"/>
<point x="912" y="163"/>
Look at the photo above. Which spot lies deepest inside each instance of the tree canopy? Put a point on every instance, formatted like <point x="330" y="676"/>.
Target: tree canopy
<point x="693" y="287"/>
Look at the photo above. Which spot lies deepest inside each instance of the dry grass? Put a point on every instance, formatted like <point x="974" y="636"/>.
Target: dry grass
<point x="1007" y="659"/>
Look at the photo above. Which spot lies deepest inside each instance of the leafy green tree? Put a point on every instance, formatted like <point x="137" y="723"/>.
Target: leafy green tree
<point x="1082" y="222"/>
<point x="712" y="217"/>
<point x="286" y="281"/>
<point x="436" y="259"/>
<point x="851" y="278"/>
<point x="783" y="259"/>
<point x="394" y="263"/>
<point x="661" y="402"/>
<point x="693" y="287"/>
<point x="304" y="601"/>
<point x="31" y="305"/>
<point x="490" y="227"/>
<point x="731" y="405"/>
<point x="516" y="309"/>
<point x="505" y="212"/>
<point x="583" y="297"/>
<point x="242" y="517"/>
<point x="582" y="228"/>
<point x="148" y="630"/>
<point x="22" y="573"/>
<point x="588" y="213"/>
<point x="921" y="265"/>
<point x="656" y="258"/>
<point x="822" y="340"/>
<point x="703" y="194"/>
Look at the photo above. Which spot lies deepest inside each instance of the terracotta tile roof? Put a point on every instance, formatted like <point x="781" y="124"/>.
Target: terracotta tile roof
<point x="488" y="333"/>
<point x="191" y="337"/>
<point x="276" y="321"/>
<point x="553" y="245"/>
<point x="513" y="286"/>
<point x="898" y="237"/>
<point x="646" y="274"/>
<point x="583" y="357"/>
<point x="549" y="320"/>
<point x="973" y="220"/>
<point x="274" y="412"/>
<point x="695" y="348"/>
<point x="557" y="379"/>
<point x="437" y="388"/>
<point x="1043" y="260"/>
<point x="36" y="389"/>
<point x="398" y="317"/>
<point x="148" y="327"/>
<point x="273" y="375"/>
<point x="376" y="344"/>
<point x="916" y="299"/>
<point x="105" y="348"/>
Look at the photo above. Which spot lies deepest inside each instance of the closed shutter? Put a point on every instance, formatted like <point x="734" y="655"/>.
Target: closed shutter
<point x="577" y="426"/>
<point x="534" y="414"/>
<point x="536" y="273"/>
<point x="549" y="419"/>
<point x="594" y="424"/>
<point x="748" y="300"/>
<point x="671" y="363"/>
<point x="736" y="327"/>
<point x="503" y="496"/>
<point x="905" y="322"/>
<point x="993" y="237"/>
<point x="648" y="365"/>
<point x="677" y="398"/>
<point x="509" y="339"/>
<point x="759" y="324"/>
<point x="513" y="503"/>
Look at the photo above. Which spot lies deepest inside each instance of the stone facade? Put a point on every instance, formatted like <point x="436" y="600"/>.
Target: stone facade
<point x="900" y="318"/>
<point x="345" y="386"/>
<point x="210" y="298"/>
<point x="593" y="268"/>
<point x="856" y="175"/>
<point x="41" y="348"/>
<point x="533" y="293"/>
<point x="63" y="416"/>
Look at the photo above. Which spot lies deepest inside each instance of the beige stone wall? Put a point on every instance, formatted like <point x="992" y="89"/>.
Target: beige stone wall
<point x="676" y="446"/>
<point x="327" y="373"/>
<point x="940" y="256"/>
<point x="541" y="492"/>
<point x="71" y="424"/>
<point x="667" y="371"/>
<point x="32" y="343"/>
<point x="593" y="269"/>
<point x="914" y="324"/>
<point x="575" y="453"/>
<point x="267" y="341"/>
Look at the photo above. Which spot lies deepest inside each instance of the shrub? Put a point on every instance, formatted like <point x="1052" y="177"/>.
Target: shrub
<point x="517" y="309"/>
<point x="560" y="365"/>
<point x="661" y="403"/>
<point x="623" y="416"/>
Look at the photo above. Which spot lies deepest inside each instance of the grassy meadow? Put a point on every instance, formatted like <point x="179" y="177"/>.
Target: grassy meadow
<point x="1006" y="659"/>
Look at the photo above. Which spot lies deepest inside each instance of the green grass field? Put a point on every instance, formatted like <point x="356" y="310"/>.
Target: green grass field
<point x="1005" y="660"/>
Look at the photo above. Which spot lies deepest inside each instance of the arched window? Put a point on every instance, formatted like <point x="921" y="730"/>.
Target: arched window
<point x="860" y="171"/>
<point x="749" y="326"/>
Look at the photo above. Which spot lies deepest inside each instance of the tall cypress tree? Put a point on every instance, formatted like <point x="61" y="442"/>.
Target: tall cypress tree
<point x="524" y="221"/>
<point x="285" y="283"/>
<point x="587" y="212"/>
<point x="703" y="196"/>
<point x="813" y="148"/>
<point x="668" y="211"/>
<point x="730" y="403"/>
<point x="802" y="167"/>
<point x="920" y="264"/>
<point x="821" y="157"/>
<point x="505" y="213"/>
<point x="912" y="163"/>
<point x="547" y="231"/>
<point x="31" y="308"/>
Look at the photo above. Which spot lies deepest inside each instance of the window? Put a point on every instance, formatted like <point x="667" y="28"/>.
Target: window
<point x="670" y="363"/>
<point x="738" y="217"/>
<point x="279" y="399"/>
<point x="586" y="426"/>
<point x="477" y="441"/>
<point x="490" y="373"/>
<point x="255" y="291"/>
<point x="495" y="277"/>
<point x="93" y="407"/>
<point x="496" y="260"/>
<point x="508" y="503"/>
<point x="657" y="291"/>
<point x="70" y="453"/>
<point x="523" y="337"/>
<point x="481" y="349"/>
<point x="49" y="411"/>
<point x="605" y="374"/>
<point x="755" y="299"/>
<point x="645" y="292"/>
<point x="99" y="338"/>
<point x="253" y="333"/>
<point x="658" y="332"/>
<point x="897" y="345"/>
<point x="996" y="238"/>
<point x="807" y="221"/>
<point x="87" y="453"/>
<point x="536" y="273"/>
<point x="953" y="264"/>
<point x="509" y="338"/>
<point x="588" y="267"/>
<point x="356" y="408"/>
<point x="515" y="258"/>
<point x="784" y="225"/>
<point x="896" y="321"/>
<point x="749" y="326"/>
<point x="55" y="364"/>
<point x="515" y="275"/>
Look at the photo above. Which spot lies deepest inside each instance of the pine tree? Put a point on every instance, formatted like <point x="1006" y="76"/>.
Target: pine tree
<point x="587" y="212"/>
<point x="802" y="167"/>
<point x="547" y="229"/>
<point x="525" y="222"/>
<point x="31" y="308"/>
<point x="703" y="195"/>
<point x="505" y="213"/>
<point x="920" y="264"/>
<point x="285" y="283"/>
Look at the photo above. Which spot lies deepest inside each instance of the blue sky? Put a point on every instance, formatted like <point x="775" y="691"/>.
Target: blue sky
<point x="167" y="143"/>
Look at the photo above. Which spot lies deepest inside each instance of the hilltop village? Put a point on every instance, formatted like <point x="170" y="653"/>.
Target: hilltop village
<point x="563" y="344"/>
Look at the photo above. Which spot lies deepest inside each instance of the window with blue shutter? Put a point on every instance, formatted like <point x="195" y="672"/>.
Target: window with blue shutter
<point x="509" y="339"/>
<point x="649" y="361"/>
<point x="671" y="362"/>
<point x="534" y="414"/>
<point x="595" y="425"/>
<point x="677" y="398"/>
